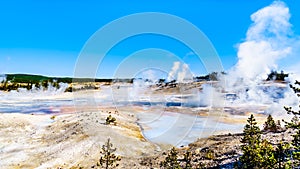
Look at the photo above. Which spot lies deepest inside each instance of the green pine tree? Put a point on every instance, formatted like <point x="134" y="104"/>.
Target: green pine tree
<point x="108" y="158"/>
<point x="270" y="124"/>
<point x="295" y="125"/>
<point x="282" y="155"/>
<point x="278" y="126"/>
<point x="250" y="145"/>
<point x="171" y="161"/>
<point x="267" y="155"/>
<point x="45" y="85"/>
<point x="187" y="159"/>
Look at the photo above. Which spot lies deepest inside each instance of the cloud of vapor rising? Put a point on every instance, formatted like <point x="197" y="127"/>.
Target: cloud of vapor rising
<point x="268" y="40"/>
<point x="180" y="72"/>
<point x="184" y="74"/>
<point x="173" y="72"/>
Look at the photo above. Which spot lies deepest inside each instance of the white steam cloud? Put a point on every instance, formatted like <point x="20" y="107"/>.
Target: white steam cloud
<point x="267" y="41"/>
<point x="180" y="72"/>
<point x="173" y="72"/>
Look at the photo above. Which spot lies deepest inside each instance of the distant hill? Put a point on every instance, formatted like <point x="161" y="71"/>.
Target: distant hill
<point x="28" y="78"/>
<point x="33" y="79"/>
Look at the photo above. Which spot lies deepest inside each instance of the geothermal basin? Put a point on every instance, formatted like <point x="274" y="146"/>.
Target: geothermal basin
<point x="174" y="116"/>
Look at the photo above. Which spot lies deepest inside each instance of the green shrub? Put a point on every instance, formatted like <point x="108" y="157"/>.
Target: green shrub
<point x="110" y="120"/>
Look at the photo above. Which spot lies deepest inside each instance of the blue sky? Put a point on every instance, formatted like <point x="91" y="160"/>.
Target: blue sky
<point x="46" y="37"/>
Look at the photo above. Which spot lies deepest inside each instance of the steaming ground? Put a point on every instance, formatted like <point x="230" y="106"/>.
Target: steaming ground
<point x="152" y="120"/>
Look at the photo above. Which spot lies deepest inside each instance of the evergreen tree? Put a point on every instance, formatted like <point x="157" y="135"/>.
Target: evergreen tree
<point x="55" y="84"/>
<point x="282" y="155"/>
<point x="45" y="85"/>
<point x="295" y="125"/>
<point x="108" y="158"/>
<point x="267" y="155"/>
<point x="28" y="86"/>
<point x="37" y="85"/>
<point x="171" y="161"/>
<point x="278" y="126"/>
<point x="251" y="142"/>
<point x="187" y="158"/>
<point x="270" y="124"/>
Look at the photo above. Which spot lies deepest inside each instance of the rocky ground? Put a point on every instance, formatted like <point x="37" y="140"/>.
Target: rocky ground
<point x="218" y="151"/>
<point x="68" y="140"/>
<point x="74" y="140"/>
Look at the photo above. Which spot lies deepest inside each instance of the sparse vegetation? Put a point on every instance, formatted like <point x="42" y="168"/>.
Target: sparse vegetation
<point x="110" y="120"/>
<point x="108" y="159"/>
<point x="277" y="76"/>
<point x="171" y="161"/>
<point x="271" y="126"/>
<point x="53" y="117"/>
<point x="250" y="147"/>
<point x="282" y="154"/>
<point x="295" y="125"/>
<point x="266" y="155"/>
<point x="187" y="160"/>
<point x="259" y="153"/>
<point x="14" y="85"/>
<point x="210" y="155"/>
